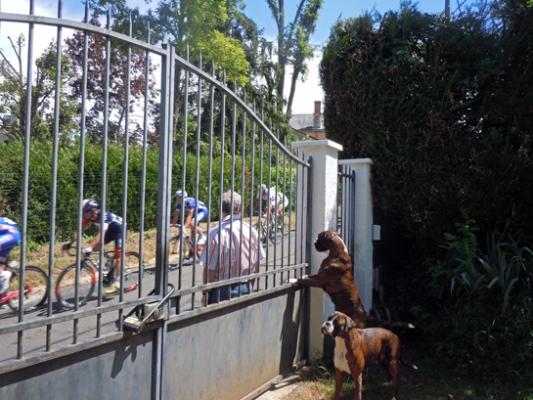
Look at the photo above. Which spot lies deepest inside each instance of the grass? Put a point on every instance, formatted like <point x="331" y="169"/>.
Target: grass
<point x="436" y="379"/>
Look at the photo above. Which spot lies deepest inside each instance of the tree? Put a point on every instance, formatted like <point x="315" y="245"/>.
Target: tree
<point x="292" y="43"/>
<point x="444" y="110"/>
<point x="13" y="90"/>
<point x="117" y="82"/>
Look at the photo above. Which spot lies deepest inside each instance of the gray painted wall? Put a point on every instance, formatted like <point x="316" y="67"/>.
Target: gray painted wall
<point x="119" y="370"/>
<point x="228" y="354"/>
<point x="225" y="354"/>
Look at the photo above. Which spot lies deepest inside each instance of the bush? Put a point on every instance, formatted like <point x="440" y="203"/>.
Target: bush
<point x="40" y="183"/>
<point x="484" y="315"/>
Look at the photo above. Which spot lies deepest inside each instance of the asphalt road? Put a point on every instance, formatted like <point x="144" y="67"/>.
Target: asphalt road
<point x="63" y="333"/>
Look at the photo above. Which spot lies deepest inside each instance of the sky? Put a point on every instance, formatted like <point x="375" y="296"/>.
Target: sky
<point x="307" y="90"/>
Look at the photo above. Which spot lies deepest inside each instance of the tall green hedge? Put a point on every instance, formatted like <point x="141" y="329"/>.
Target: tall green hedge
<point x="444" y="109"/>
<point x="39" y="206"/>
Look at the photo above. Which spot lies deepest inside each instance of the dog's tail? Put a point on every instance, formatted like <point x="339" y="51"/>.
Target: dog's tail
<point x="411" y="366"/>
<point x="371" y="322"/>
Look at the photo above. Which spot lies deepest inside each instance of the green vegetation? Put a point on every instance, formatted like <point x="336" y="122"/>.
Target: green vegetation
<point x="444" y="110"/>
<point x="68" y="174"/>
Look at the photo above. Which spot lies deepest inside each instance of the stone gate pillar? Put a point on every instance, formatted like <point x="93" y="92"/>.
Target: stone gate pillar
<point x="323" y="179"/>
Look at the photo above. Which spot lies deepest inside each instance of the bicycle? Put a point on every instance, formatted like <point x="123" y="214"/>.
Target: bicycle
<point x="89" y="276"/>
<point x="35" y="287"/>
<point x="174" y="246"/>
<point x="270" y="230"/>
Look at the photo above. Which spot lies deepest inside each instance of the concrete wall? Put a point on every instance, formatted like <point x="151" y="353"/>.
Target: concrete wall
<point x="119" y="370"/>
<point x="229" y="353"/>
<point x="224" y="355"/>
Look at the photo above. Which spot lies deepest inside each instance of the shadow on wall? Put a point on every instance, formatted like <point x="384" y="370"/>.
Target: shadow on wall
<point x="291" y="333"/>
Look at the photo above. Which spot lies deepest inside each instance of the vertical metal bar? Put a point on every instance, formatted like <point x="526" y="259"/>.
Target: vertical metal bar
<point x="276" y="205"/>
<point x="260" y="213"/>
<point x="172" y="124"/>
<point x="296" y="210"/>
<point x="103" y="197"/>
<point x="210" y="163"/>
<point x="81" y="172"/>
<point x="283" y="212"/>
<point x="167" y="69"/>
<point x="161" y="332"/>
<point x="243" y="192"/>
<point x="290" y="214"/>
<point x="252" y="183"/>
<point x="125" y="174"/>
<point x="221" y="187"/>
<point x="144" y="162"/>
<point x="196" y="193"/>
<point x="344" y="203"/>
<point x="26" y="181"/>
<point x="269" y="211"/>
<point x="304" y="186"/>
<point x="53" y="190"/>
<point x="309" y="211"/>
<point x="354" y="221"/>
<point x="183" y="172"/>
<point x="232" y="183"/>
<point x="349" y="205"/>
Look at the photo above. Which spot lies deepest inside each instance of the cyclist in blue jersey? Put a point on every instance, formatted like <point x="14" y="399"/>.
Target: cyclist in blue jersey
<point x="9" y="238"/>
<point x="191" y="219"/>
<point x="112" y="231"/>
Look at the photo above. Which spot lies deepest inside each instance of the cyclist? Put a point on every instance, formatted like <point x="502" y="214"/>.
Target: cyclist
<point x="273" y="196"/>
<point x="9" y="238"/>
<point x="191" y="219"/>
<point x="112" y="231"/>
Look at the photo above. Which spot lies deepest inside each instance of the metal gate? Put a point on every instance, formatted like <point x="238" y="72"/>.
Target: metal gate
<point x="207" y="139"/>
<point x="346" y="207"/>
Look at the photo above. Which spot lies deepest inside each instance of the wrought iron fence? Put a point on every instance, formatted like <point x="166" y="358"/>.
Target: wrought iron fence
<point x="346" y="206"/>
<point x="216" y="141"/>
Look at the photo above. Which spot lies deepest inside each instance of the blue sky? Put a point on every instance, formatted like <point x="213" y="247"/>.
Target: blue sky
<point x="330" y="13"/>
<point x="258" y="10"/>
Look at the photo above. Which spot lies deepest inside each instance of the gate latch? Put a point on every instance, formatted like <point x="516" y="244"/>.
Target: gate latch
<point x="144" y="314"/>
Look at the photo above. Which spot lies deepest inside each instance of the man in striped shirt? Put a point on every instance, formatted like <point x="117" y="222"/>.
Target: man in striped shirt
<point x="227" y="256"/>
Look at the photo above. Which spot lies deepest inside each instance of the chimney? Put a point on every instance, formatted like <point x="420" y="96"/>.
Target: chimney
<point x="317" y="115"/>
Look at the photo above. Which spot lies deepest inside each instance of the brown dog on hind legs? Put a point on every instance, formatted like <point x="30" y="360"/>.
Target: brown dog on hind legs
<point x="354" y="348"/>
<point x="335" y="277"/>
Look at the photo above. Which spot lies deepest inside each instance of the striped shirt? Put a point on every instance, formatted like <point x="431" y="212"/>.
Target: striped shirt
<point x="250" y="250"/>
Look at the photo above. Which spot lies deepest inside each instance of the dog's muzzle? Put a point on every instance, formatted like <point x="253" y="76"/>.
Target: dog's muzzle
<point x="327" y="328"/>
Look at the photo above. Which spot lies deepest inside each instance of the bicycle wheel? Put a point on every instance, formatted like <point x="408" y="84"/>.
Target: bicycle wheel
<point x="35" y="288"/>
<point x="260" y="228"/>
<point x="66" y="285"/>
<point x="131" y="271"/>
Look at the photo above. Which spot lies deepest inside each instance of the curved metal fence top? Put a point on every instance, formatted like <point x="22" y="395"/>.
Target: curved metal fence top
<point x="86" y="27"/>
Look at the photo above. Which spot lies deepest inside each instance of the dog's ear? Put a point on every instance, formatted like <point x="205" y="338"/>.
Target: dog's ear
<point x="350" y="323"/>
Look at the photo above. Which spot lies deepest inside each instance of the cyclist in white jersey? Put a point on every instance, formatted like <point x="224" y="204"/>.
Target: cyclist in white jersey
<point x="273" y="197"/>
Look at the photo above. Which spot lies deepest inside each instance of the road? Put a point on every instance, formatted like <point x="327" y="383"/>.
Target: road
<point x="63" y="333"/>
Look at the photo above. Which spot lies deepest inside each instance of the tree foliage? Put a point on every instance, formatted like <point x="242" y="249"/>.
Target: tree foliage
<point x="13" y="90"/>
<point x="74" y="48"/>
<point x="444" y="109"/>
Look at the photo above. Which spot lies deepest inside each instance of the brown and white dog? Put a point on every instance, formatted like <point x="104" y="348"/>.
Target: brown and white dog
<point x="336" y="278"/>
<point x="354" y="348"/>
